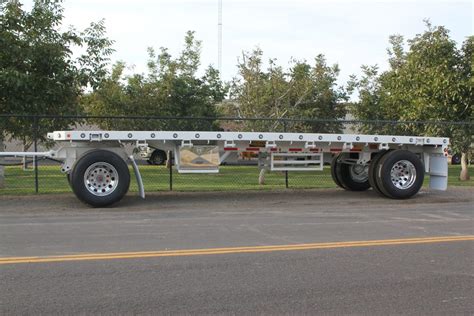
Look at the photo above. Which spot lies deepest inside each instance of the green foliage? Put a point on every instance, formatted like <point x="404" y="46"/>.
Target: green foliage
<point x="170" y="88"/>
<point x="38" y="72"/>
<point x="431" y="81"/>
<point x="257" y="93"/>
<point x="304" y="91"/>
<point x="317" y="96"/>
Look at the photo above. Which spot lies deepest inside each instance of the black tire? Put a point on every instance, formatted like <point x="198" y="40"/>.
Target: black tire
<point x="113" y="179"/>
<point x="158" y="157"/>
<point x="408" y="172"/>
<point x="333" y="171"/>
<point x="344" y="172"/>
<point x="456" y="159"/>
<point x="372" y="167"/>
<point x="68" y="177"/>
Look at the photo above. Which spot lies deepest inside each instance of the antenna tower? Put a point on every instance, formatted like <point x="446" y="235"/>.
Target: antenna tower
<point x="219" y="36"/>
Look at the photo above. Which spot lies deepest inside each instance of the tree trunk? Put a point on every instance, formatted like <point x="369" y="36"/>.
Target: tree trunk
<point x="25" y="159"/>
<point x="2" y="168"/>
<point x="261" y="177"/>
<point x="464" y="176"/>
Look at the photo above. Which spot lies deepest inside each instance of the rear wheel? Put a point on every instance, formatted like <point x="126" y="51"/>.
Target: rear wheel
<point x="100" y="178"/>
<point x="399" y="174"/>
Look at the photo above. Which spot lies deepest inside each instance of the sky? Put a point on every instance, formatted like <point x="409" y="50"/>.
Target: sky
<point x="349" y="33"/>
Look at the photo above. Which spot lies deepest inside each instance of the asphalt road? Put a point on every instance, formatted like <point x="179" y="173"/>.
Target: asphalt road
<point x="211" y="253"/>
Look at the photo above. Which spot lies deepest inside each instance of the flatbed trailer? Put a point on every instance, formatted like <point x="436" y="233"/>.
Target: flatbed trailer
<point x="96" y="162"/>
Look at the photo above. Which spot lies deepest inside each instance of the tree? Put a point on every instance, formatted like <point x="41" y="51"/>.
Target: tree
<point x="39" y="74"/>
<point x="171" y="88"/>
<point x="257" y="93"/>
<point x="317" y="96"/>
<point x="431" y="81"/>
<point x="304" y="91"/>
<point x="464" y="133"/>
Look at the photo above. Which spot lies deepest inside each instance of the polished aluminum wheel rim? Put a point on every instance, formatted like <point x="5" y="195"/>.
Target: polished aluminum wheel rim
<point x="101" y="179"/>
<point x="359" y="173"/>
<point x="403" y="174"/>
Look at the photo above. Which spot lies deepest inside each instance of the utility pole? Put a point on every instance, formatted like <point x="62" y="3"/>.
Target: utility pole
<point x="219" y="37"/>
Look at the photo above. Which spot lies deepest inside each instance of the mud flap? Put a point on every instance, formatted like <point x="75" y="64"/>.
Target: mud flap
<point x="438" y="171"/>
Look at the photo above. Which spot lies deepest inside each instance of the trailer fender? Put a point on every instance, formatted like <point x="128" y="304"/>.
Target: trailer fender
<point x="141" y="189"/>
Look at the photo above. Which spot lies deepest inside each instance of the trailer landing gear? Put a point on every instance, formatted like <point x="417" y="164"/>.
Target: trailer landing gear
<point x="100" y="178"/>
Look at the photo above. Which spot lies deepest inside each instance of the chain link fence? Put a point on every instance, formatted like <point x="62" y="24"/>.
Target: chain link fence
<point x="29" y="176"/>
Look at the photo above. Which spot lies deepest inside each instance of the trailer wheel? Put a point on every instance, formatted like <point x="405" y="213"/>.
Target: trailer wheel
<point x="100" y="178"/>
<point x="372" y="167"/>
<point x="333" y="171"/>
<point x="399" y="174"/>
<point x="353" y="177"/>
<point x="158" y="157"/>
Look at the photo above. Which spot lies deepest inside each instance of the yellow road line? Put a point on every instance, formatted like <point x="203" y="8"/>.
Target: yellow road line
<point x="249" y="249"/>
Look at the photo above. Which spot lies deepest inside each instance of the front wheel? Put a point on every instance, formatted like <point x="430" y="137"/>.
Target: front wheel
<point x="334" y="165"/>
<point x="100" y="178"/>
<point x="352" y="177"/>
<point x="68" y="178"/>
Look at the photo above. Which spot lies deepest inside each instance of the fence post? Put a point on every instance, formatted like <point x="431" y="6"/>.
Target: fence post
<point x="35" y="144"/>
<point x="170" y="166"/>
<point x="2" y="168"/>
<point x="286" y="172"/>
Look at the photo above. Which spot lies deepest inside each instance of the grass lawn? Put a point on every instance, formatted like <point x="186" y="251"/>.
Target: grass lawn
<point x="156" y="178"/>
